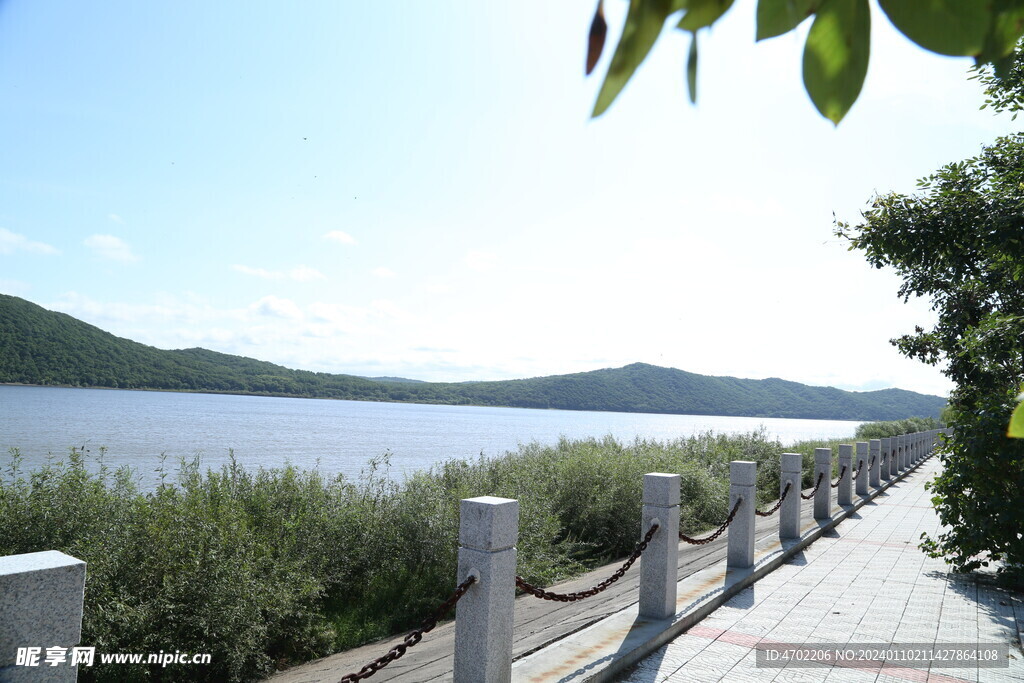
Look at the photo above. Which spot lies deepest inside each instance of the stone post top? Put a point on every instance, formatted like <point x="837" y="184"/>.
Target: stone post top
<point x="822" y="456"/>
<point x="661" y="489"/>
<point x="489" y="500"/>
<point x="33" y="562"/>
<point x="875" y="443"/>
<point x="792" y="462"/>
<point x="846" y="449"/>
<point x="488" y="523"/>
<point x="862" y="446"/>
<point x="885" y="442"/>
<point x="742" y="473"/>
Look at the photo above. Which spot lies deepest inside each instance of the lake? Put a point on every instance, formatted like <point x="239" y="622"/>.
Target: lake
<point x="136" y="427"/>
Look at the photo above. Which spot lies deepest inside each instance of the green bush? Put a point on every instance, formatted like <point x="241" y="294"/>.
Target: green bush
<point x="884" y="430"/>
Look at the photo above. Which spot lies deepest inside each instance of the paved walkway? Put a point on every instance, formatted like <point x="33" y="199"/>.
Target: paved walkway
<point x="864" y="582"/>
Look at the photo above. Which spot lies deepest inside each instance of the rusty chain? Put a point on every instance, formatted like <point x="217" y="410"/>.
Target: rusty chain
<point x="718" y="532"/>
<point x="413" y="637"/>
<point x="769" y="513"/>
<point x="590" y="592"/>
<point x="859" y="469"/>
<point x="841" y="473"/>
<point x="821" y="475"/>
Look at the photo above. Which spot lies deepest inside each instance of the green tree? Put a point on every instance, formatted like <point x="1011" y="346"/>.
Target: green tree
<point x="960" y="242"/>
<point x="838" y="45"/>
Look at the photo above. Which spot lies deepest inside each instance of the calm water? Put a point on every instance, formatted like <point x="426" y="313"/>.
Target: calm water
<point x="340" y="436"/>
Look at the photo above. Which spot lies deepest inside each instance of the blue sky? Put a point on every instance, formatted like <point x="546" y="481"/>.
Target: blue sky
<point x="417" y="189"/>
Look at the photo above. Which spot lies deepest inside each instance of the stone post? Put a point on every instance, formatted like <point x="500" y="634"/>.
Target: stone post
<point x="823" y="496"/>
<point x="876" y="462"/>
<point x="886" y="458"/>
<point x="789" y="513"/>
<point x="659" y="564"/>
<point x="901" y="452"/>
<point x="845" y="490"/>
<point x="862" y="468"/>
<point x="742" y="480"/>
<point x="41" y="596"/>
<point x="488" y="531"/>
<point x="889" y="446"/>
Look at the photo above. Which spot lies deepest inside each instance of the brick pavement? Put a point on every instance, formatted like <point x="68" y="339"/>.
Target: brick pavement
<point x="864" y="582"/>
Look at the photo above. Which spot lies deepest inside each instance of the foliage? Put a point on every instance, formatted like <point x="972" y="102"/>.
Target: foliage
<point x="960" y="242"/>
<point x="42" y="347"/>
<point x="270" y="567"/>
<point x="838" y="44"/>
<point x="883" y="430"/>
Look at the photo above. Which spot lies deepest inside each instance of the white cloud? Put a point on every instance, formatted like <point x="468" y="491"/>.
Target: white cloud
<point x="111" y="247"/>
<point x="383" y="272"/>
<point x="305" y="274"/>
<point x="480" y="261"/>
<point x="298" y="274"/>
<point x="340" y="237"/>
<point x="11" y="242"/>
<point x="277" y="307"/>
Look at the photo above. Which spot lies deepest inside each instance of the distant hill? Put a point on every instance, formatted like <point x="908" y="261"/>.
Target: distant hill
<point x="38" y="346"/>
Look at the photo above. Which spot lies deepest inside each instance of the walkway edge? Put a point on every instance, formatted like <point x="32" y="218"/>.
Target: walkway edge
<point x="604" y="649"/>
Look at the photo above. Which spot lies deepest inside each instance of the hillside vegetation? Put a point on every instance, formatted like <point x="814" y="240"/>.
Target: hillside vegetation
<point x="38" y="346"/>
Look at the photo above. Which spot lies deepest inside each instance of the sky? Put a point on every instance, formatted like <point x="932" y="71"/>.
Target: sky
<point x="418" y="189"/>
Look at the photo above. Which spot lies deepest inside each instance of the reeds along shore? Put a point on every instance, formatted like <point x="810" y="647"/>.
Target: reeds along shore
<point x="264" y="568"/>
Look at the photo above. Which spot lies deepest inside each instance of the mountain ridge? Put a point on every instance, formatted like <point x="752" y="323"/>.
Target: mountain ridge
<point x="43" y="347"/>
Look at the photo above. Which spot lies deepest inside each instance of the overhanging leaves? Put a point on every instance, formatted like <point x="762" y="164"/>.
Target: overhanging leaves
<point x="691" y="69"/>
<point x="644" y="22"/>
<point x="775" y="17"/>
<point x="836" y="56"/>
<point x="1016" y="430"/>
<point x="949" y="27"/>
<point x="703" y="13"/>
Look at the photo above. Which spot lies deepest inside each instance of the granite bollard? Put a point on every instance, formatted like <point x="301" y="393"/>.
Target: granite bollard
<point x="488" y="532"/>
<point x="875" y="462"/>
<point x="844" y="492"/>
<point x="789" y="513"/>
<point x="862" y="468"/>
<point x="41" y="597"/>
<point x="742" y="482"/>
<point x="823" y="470"/>
<point x="886" y="455"/>
<point x="659" y="564"/>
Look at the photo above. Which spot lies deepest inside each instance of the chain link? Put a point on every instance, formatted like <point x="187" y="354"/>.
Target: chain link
<point x="821" y="476"/>
<point x="590" y="592"/>
<point x="769" y="513"/>
<point x="841" y="473"/>
<point x="413" y="637"/>
<point x="870" y="465"/>
<point x="718" y="532"/>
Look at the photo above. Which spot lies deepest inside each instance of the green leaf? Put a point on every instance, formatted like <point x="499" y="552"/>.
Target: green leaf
<point x="949" y="27"/>
<point x="1016" y="430"/>
<point x="775" y="17"/>
<point x="703" y="13"/>
<point x="836" y="56"/>
<point x="644" y="22"/>
<point x="691" y="70"/>
<point x="1006" y="24"/>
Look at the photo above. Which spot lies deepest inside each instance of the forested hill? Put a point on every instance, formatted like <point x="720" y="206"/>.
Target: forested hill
<point x="38" y="346"/>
